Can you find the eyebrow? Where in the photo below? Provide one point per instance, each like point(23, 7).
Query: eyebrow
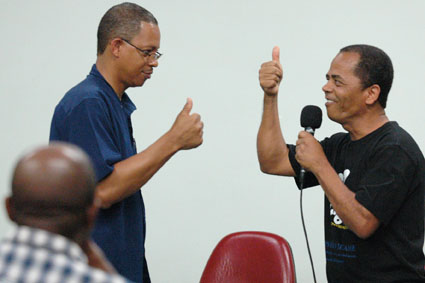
point(149, 48)
point(335, 77)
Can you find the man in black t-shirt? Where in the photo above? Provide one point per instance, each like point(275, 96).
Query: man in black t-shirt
point(373, 176)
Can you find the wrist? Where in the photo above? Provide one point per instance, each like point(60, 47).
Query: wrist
point(270, 94)
point(172, 141)
point(322, 169)
point(270, 98)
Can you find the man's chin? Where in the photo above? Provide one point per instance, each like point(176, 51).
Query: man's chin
point(138, 83)
point(332, 118)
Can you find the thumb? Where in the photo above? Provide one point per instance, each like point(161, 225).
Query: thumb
point(188, 106)
point(276, 54)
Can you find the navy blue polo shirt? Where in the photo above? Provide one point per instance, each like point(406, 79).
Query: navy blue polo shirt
point(91, 116)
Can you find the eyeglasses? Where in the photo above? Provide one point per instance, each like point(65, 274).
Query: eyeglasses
point(153, 55)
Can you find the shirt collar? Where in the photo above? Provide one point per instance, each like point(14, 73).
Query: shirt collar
point(125, 99)
point(42, 239)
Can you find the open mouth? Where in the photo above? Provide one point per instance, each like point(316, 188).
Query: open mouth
point(329, 102)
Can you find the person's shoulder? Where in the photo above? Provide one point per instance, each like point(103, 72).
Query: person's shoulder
point(89, 88)
point(87, 91)
point(394, 136)
point(404, 137)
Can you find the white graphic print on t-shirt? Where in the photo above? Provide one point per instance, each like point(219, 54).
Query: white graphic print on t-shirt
point(336, 221)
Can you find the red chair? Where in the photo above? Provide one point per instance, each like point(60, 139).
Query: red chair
point(248, 257)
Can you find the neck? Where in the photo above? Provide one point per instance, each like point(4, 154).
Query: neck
point(66, 226)
point(108, 72)
point(365, 125)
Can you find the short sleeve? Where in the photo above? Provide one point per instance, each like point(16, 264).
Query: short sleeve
point(89, 126)
point(385, 186)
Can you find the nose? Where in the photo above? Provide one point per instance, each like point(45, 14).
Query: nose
point(327, 88)
point(153, 63)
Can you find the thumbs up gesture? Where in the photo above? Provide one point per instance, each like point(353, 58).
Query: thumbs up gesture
point(187, 128)
point(270, 74)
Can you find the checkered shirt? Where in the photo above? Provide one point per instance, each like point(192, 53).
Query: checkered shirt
point(30, 255)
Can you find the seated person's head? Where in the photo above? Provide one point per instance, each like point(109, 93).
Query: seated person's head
point(53, 189)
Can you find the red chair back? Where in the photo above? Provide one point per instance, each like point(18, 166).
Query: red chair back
point(248, 257)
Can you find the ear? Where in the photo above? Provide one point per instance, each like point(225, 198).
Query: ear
point(115, 46)
point(372, 94)
point(10, 209)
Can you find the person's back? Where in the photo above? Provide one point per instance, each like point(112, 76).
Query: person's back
point(52, 202)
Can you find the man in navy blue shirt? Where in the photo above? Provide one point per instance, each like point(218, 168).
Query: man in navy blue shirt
point(95, 115)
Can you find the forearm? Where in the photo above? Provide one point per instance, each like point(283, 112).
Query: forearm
point(271, 147)
point(132, 173)
point(355, 216)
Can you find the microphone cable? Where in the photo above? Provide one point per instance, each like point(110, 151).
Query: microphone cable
point(302, 220)
point(311, 119)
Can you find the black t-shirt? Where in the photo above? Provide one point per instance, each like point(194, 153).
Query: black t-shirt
point(386, 170)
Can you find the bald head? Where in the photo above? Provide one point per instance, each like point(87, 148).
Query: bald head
point(52, 186)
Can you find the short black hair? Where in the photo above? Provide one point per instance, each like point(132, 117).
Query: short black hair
point(122, 20)
point(374, 67)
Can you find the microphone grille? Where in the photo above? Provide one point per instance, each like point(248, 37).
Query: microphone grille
point(311, 116)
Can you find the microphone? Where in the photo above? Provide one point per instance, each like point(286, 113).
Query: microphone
point(311, 119)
